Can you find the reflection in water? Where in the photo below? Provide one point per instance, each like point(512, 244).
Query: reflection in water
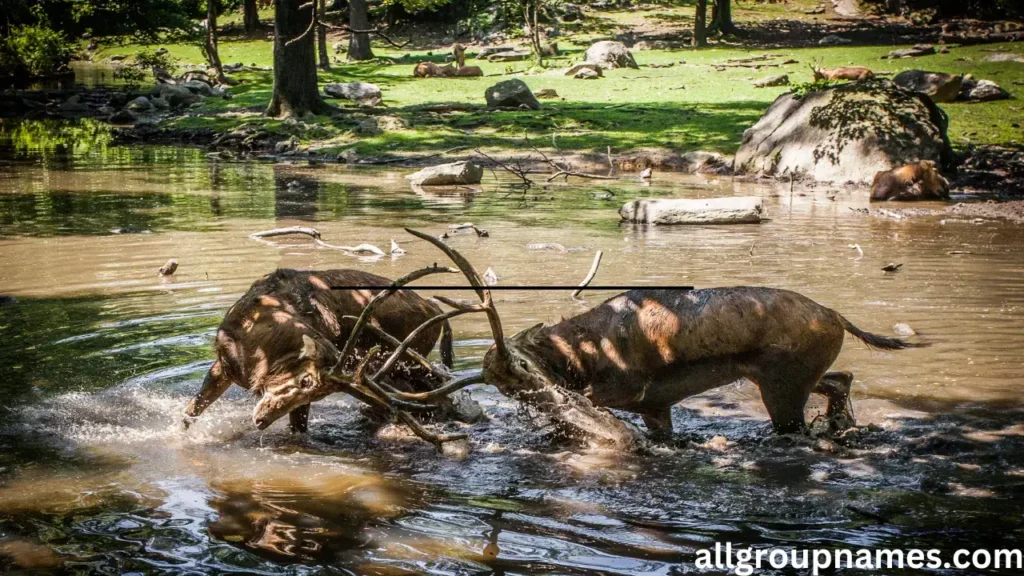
point(99, 356)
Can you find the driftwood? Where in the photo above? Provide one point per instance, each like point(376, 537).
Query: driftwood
point(590, 275)
point(315, 235)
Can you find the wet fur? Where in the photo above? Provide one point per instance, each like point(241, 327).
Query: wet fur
point(917, 181)
point(645, 350)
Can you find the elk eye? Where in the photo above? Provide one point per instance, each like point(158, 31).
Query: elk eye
point(523, 365)
point(307, 381)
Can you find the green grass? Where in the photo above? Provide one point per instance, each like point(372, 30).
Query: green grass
point(688, 106)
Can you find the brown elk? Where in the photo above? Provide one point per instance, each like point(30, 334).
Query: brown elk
point(645, 350)
point(916, 181)
point(279, 336)
point(852, 73)
point(460, 70)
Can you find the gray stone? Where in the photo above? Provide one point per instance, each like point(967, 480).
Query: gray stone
point(199, 87)
point(587, 74)
point(732, 210)
point(363, 93)
point(941, 87)
point(123, 117)
point(140, 104)
point(448, 174)
point(1004, 57)
point(508, 57)
point(833, 40)
point(916, 50)
point(512, 93)
point(487, 51)
point(584, 66)
point(160, 103)
point(380, 124)
point(74, 104)
point(701, 162)
point(986, 90)
point(610, 54)
point(107, 110)
point(847, 133)
point(546, 93)
point(778, 80)
point(175, 95)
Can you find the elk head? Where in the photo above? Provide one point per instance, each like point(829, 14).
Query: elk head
point(459, 51)
point(299, 377)
point(516, 368)
point(815, 66)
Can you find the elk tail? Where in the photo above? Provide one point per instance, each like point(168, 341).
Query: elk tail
point(876, 341)
point(447, 345)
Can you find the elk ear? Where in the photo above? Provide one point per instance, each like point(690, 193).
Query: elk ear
point(309, 349)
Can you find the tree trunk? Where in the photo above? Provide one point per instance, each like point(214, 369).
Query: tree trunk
point(321, 40)
point(700, 19)
point(295, 82)
point(723, 18)
point(250, 16)
point(530, 10)
point(358, 19)
point(210, 45)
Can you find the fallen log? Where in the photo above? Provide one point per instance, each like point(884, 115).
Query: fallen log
point(737, 210)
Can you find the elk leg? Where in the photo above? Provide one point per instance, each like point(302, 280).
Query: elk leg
point(659, 423)
point(836, 387)
point(214, 384)
point(298, 420)
point(785, 397)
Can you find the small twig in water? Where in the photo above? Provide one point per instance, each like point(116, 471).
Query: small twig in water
point(590, 275)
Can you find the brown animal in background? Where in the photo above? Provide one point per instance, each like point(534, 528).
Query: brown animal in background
point(917, 181)
point(276, 339)
point(459, 51)
point(469, 72)
point(852, 73)
point(645, 350)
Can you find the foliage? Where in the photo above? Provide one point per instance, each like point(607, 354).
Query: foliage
point(34, 51)
point(131, 76)
point(803, 89)
point(939, 9)
point(149, 59)
point(138, 18)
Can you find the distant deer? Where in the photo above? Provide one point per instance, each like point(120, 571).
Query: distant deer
point(431, 70)
point(852, 73)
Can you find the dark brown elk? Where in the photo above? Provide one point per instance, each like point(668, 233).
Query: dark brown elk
point(852, 73)
point(916, 181)
point(279, 336)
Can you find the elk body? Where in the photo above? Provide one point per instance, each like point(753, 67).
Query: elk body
point(460, 70)
point(645, 350)
point(279, 337)
point(916, 181)
point(852, 73)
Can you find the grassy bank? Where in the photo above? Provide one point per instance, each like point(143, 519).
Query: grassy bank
point(689, 105)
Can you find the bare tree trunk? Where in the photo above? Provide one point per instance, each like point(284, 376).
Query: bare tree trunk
point(321, 40)
point(530, 11)
point(210, 45)
point(700, 20)
point(358, 19)
point(295, 81)
point(250, 16)
point(722, 17)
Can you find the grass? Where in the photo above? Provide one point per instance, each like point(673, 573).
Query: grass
point(687, 106)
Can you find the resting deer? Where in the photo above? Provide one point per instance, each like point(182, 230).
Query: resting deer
point(432, 70)
point(645, 350)
point(852, 73)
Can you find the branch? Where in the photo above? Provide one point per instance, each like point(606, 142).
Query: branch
point(373, 31)
point(315, 235)
point(518, 173)
point(590, 275)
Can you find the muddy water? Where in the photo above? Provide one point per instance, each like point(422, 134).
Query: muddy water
point(99, 356)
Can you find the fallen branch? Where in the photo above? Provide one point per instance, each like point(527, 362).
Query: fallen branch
point(315, 235)
point(564, 171)
point(590, 275)
point(518, 172)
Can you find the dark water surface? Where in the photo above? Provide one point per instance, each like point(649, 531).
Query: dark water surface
point(99, 355)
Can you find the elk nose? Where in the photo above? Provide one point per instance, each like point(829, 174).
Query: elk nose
point(260, 423)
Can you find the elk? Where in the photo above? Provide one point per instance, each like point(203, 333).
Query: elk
point(432, 70)
point(643, 351)
point(915, 181)
point(852, 73)
point(275, 336)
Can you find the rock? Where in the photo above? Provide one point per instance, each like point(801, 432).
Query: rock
point(941, 87)
point(641, 45)
point(74, 104)
point(904, 330)
point(380, 124)
point(986, 90)
point(833, 40)
point(512, 93)
point(609, 54)
point(778, 80)
point(162, 51)
point(285, 146)
point(160, 103)
point(118, 57)
point(734, 210)
point(508, 56)
point(701, 162)
point(107, 110)
point(140, 104)
point(485, 52)
point(1003, 57)
point(176, 96)
point(123, 117)
point(917, 50)
point(587, 74)
point(571, 13)
point(339, 47)
point(846, 133)
point(363, 93)
point(199, 87)
point(546, 94)
point(448, 174)
point(584, 66)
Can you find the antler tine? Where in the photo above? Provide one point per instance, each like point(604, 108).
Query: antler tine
point(377, 331)
point(368, 310)
point(479, 286)
point(404, 345)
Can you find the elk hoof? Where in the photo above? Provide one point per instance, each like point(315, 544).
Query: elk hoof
point(186, 422)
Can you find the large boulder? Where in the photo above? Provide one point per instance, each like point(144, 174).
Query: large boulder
point(941, 87)
point(734, 210)
point(140, 104)
point(515, 56)
point(913, 52)
point(176, 96)
point(982, 91)
point(362, 93)
point(576, 68)
point(610, 54)
point(448, 174)
point(513, 93)
point(199, 87)
point(846, 133)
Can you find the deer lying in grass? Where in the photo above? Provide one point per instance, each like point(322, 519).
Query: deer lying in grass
point(852, 73)
point(432, 70)
point(645, 350)
point(278, 336)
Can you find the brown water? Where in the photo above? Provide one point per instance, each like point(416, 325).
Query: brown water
point(99, 357)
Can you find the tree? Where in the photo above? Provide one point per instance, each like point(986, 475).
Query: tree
point(210, 42)
point(250, 16)
point(722, 17)
point(359, 41)
point(700, 18)
point(531, 16)
point(295, 81)
point(321, 40)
